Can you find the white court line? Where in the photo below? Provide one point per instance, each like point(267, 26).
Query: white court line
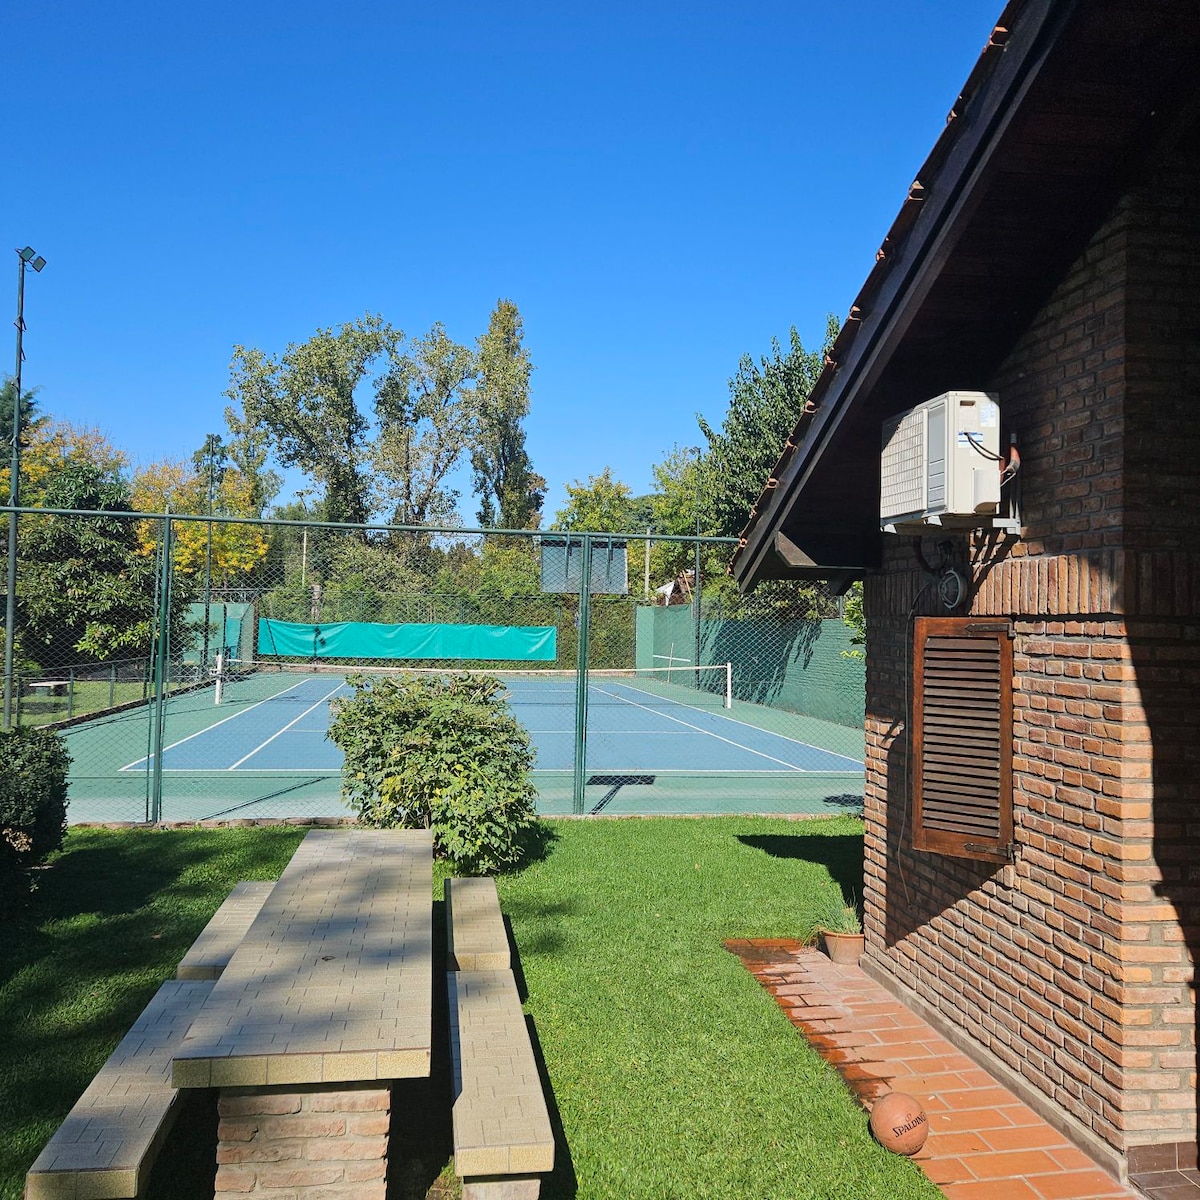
point(324, 699)
point(330, 771)
point(857, 763)
point(727, 741)
point(240, 713)
point(783, 737)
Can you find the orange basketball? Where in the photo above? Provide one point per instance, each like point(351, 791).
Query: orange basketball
point(899, 1123)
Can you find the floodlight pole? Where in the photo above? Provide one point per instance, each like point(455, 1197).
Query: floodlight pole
point(210, 448)
point(14, 486)
point(696, 570)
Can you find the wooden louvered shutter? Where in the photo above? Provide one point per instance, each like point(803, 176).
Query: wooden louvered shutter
point(962, 737)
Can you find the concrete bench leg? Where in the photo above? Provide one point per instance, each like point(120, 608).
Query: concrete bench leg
point(503, 1187)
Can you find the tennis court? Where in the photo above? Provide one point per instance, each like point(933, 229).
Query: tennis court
point(653, 744)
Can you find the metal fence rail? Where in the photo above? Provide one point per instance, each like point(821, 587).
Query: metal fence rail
point(642, 692)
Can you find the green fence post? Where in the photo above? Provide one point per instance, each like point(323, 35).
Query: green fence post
point(112, 685)
point(70, 692)
point(581, 671)
point(160, 671)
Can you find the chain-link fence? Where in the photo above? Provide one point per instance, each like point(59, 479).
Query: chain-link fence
point(191, 663)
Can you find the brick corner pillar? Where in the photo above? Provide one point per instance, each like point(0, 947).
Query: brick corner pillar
point(329, 1140)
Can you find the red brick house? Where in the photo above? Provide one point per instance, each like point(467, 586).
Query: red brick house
point(1032, 858)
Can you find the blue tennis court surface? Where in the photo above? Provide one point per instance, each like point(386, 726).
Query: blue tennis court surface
point(652, 746)
point(631, 728)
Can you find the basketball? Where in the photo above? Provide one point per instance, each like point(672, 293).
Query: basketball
point(899, 1123)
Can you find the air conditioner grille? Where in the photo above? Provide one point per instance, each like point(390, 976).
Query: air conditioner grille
point(903, 465)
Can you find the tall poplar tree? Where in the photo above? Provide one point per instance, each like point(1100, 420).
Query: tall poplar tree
point(510, 493)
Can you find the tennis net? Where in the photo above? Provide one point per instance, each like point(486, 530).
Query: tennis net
point(692, 686)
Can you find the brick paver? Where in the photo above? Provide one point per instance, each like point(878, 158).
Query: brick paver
point(984, 1143)
point(333, 981)
point(104, 1147)
point(211, 951)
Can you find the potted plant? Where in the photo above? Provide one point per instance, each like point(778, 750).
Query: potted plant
point(840, 927)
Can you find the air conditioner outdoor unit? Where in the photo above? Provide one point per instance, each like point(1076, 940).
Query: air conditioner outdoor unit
point(941, 459)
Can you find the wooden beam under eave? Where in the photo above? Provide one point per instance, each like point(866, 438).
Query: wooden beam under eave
point(799, 560)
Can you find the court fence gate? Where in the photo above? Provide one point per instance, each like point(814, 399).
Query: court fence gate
point(190, 662)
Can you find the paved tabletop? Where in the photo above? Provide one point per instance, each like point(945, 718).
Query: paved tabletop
point(333, 981)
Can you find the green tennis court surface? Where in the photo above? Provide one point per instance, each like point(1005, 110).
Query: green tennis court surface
point(653, 745)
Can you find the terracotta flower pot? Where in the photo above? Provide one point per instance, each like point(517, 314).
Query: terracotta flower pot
point(844, 948)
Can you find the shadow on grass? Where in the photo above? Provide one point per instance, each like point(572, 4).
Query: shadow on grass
point(562, 1183)
point(537, 844)
point(109, 922)
point(841, 855)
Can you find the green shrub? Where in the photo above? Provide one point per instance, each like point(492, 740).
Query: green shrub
point(439, 752)
point(33, 803)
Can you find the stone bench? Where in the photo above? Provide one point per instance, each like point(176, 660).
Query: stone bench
point(477, 939)
point(503, 1141)
point(212, 950)
point(52, 687)
point(107, 1145)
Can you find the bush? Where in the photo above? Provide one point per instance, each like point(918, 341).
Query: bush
point(33, 803)
point(439, 752)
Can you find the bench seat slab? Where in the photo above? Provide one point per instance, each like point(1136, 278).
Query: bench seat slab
point(501, 1123)
point(106, 1146)
point(212, 950)
point(475, 929)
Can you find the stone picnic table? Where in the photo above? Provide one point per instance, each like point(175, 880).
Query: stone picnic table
point(326, 999)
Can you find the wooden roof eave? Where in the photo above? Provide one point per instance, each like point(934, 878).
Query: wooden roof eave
point(936, 210)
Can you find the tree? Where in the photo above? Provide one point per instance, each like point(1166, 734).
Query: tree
point(676, 506)
point(426, 412)
point(510, 494)
point(87, 586)
point(248, 449)
point(305, 400)
point(765, 401)
point(602, 505)
point(51, 447)
point(236, 549)
point(27, 418)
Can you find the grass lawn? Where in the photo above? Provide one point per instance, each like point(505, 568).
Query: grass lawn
point(673, 1073)
point(87, 696)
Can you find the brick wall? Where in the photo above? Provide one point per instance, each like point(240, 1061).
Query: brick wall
point(1073, 965)
point(326, 1142)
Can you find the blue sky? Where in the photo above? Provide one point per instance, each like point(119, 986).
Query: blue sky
point(660, 187)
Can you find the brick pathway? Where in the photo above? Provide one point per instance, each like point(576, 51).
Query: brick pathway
point(984, 1144)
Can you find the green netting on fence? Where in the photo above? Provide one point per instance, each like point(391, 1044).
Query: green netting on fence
point(230, 629)
point(804, 665)
point(371, 641)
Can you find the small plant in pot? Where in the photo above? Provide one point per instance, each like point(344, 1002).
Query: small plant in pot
point(840, 927)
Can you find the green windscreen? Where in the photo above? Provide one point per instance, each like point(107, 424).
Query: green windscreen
point(366, 639)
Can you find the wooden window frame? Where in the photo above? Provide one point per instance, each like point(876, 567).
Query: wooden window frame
point(929, 832)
